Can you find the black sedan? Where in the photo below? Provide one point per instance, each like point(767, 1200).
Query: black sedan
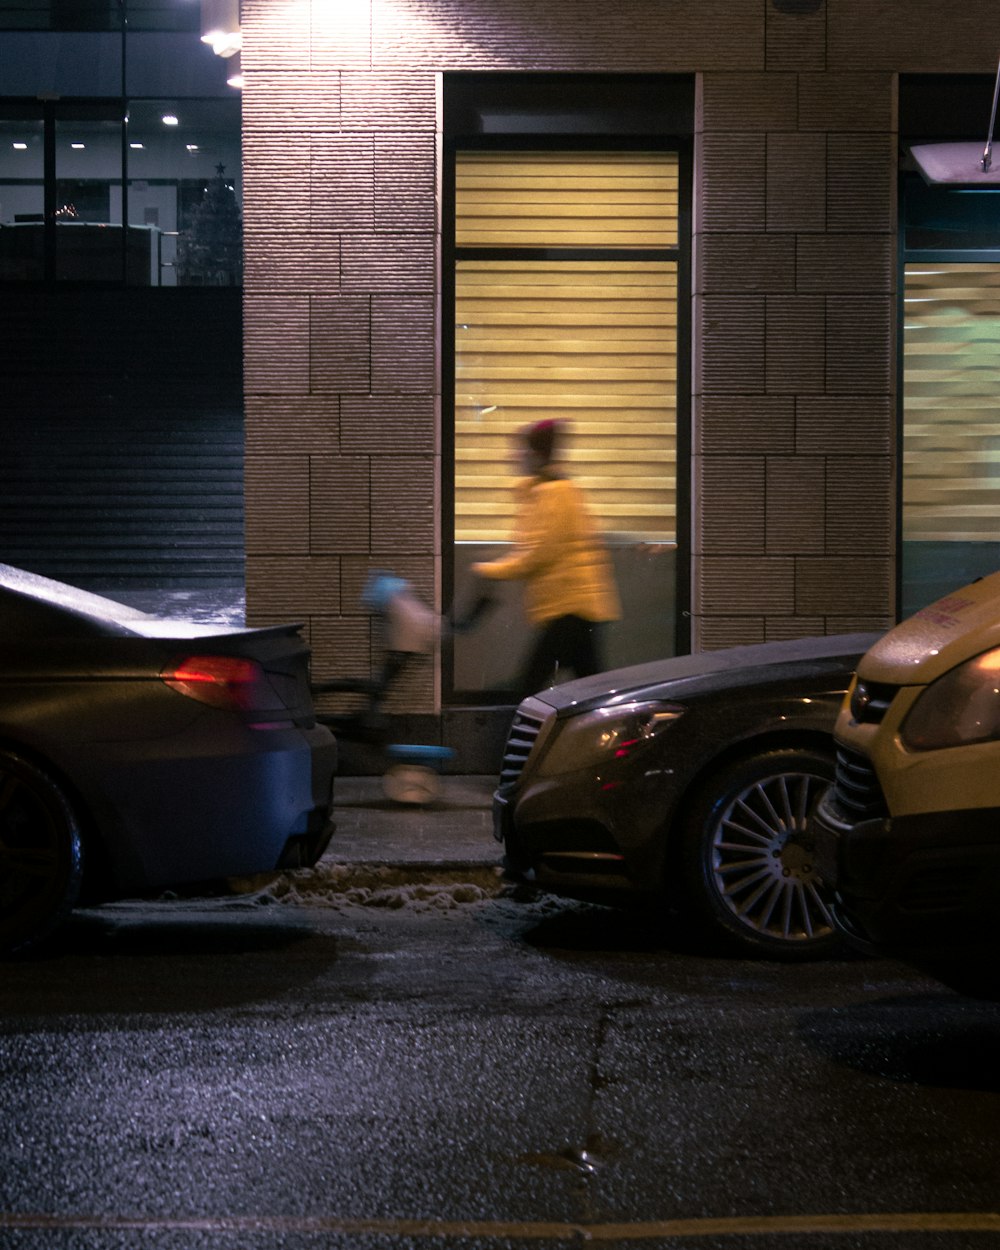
point(687, 780)
point(138, 754)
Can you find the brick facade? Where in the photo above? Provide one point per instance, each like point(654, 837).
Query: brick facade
point(794, 287)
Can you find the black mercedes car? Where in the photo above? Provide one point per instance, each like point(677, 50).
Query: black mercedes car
point(139, 753)
point(686, 780)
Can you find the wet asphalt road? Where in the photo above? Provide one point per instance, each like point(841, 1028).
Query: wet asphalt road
point(481, 1074)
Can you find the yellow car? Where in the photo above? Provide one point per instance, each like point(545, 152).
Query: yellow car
point(908, 836)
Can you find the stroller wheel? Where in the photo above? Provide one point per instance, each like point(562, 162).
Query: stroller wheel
point(411, 783)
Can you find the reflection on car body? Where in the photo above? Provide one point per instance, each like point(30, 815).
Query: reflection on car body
point(138, 753)
point(688, 779)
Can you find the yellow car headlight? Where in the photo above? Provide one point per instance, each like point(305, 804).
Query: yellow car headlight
point(961, 707)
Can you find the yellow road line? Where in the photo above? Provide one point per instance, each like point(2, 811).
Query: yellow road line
point(486, 1230)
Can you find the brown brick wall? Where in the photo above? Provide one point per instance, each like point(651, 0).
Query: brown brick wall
point(792, 312)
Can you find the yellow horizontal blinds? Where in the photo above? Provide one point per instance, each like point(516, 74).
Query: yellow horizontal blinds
point(566, 199)
point(951, 436)
point(593, 343)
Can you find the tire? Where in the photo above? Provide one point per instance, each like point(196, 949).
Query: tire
point(41, 855)
point(746, 867)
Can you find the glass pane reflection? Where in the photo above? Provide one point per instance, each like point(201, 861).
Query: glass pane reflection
point(88, 200)
point(22, 200)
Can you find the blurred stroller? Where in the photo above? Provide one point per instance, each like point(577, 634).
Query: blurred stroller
point(409, 629)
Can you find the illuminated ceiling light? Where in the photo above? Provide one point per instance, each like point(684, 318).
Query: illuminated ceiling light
point(192, 147)
point(77, 147)
point(220, 26)
point(20, 147)
point(960, 164)
point(234, 75)
point(137, 147)
point(169, 119)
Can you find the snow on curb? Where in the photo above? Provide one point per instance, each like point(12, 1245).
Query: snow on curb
point(391, 887)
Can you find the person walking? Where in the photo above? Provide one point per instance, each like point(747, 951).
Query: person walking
point(570, 591)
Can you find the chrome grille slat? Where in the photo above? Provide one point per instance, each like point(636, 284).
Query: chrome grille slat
point(525, 728)
point(856, 788)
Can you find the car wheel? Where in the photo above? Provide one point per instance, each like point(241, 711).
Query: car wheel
point(747, 863)
point(41, 855)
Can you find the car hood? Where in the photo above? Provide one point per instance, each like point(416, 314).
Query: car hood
point(684, 676)
point(937, 638)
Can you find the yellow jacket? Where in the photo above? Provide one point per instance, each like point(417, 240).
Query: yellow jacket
point(559, 555)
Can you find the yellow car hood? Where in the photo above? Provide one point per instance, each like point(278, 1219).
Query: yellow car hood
point(935, 639)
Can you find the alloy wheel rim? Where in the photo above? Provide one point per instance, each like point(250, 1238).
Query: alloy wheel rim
point(762, 864)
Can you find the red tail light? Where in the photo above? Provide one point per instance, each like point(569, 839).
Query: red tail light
point(222, 681)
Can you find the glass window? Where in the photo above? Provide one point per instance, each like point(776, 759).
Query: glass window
point(182, 189)
point(22, 199)
point(147, 192)
point(88, 200)
point(951, 426)
point(950, 434)
point(566, 301)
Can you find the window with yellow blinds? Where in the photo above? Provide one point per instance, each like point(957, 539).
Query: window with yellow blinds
point(951, 399)
point(592, 343)
point(566, 296)
point(566, 199)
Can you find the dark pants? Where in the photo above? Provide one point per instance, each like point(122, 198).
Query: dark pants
point(569, 642)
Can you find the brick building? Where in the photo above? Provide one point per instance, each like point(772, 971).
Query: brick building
point(776, 403)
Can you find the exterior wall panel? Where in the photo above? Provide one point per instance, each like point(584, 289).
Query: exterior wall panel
point(796, 183)
point(731, 182)
point(279, 524)
point(405, 101)
point(861, 183)
point(339, 504)
point(405, 182)
point(276, 348)
point(915, 36)
point(745, 264)
point(795, 344)
point(749, 103)
point(740, 480)
point(341, 183)
point(577, 36)
point(842, 102)
point(795, 40)
point(796, 504)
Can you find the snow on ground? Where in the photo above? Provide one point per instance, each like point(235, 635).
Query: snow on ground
point(343, 886)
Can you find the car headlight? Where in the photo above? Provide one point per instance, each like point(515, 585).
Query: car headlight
point(606, 733)
point(961, 707)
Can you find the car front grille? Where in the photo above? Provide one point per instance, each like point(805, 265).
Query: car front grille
point(856, 789)
point(525, 728)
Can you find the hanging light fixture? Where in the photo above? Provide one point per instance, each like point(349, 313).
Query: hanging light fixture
point(960, 164)
point(220, 26)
